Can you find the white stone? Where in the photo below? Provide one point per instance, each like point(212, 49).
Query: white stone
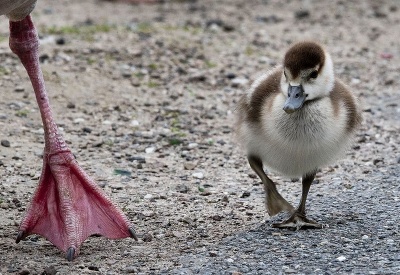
point(198, 175)
point(341, 258)
point(78, 120)
point(239, 81)
point(150, 150)
point(192, 145)
point(148, 196)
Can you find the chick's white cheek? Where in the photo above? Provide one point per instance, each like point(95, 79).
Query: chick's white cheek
point(311, 90)
point(284, 87)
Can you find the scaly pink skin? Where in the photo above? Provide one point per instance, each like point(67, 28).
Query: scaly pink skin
point(67, 206)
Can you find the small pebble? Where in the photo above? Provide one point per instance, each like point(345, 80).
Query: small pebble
point(5, 143)
point(78, 120)
point(51, 270)
point(139, 159)
point(92, 267)
point(148, 213)
point(192, 145)
point(60, 41)
point(147, 237)
point(189, 165)
point(43, 57)
point(213, 253)
point(181, 188)
point(301, 14)
point(148, 196)
point(177, 234)
point(238, 82)
point(147, 134)
point(150, 150)
point(198, 175)
point(130, 269)
point(19, 89)
point(341, 258)
point(217, 218)
point(390, 241)
point(186, 220)
point(199, 76)
point(71, 105)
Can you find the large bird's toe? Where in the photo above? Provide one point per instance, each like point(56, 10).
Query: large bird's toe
point(70, 254)
point(21, 235)
point(133, 234)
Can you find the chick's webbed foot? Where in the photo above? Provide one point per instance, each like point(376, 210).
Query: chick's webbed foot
point(298, 221)
point(275, 203)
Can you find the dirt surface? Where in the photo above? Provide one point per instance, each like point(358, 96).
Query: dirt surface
point(145, 95)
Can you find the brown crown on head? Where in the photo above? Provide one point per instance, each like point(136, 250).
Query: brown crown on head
point(304, 55)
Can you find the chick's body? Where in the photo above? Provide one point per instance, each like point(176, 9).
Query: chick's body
point(294, 120)
point(298, 143)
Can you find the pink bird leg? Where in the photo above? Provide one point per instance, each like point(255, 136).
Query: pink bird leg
point(67, 206)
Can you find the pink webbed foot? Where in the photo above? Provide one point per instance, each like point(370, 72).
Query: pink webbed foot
point(67, 206)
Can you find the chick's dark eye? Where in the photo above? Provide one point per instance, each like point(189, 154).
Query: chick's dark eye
point(314, 74)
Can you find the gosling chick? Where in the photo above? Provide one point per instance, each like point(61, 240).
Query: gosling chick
point(296, 119)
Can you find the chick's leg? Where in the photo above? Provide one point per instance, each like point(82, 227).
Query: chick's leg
point(275, 203)
point(298, 219)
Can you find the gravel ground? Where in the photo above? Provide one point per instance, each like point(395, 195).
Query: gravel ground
point(145, 95)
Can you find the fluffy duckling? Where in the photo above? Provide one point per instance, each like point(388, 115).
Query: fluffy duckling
point(294, 120)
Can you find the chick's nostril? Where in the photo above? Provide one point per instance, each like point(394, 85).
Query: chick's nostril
point(297, 95)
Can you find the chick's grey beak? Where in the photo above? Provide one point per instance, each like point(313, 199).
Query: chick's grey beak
point(295, 100)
